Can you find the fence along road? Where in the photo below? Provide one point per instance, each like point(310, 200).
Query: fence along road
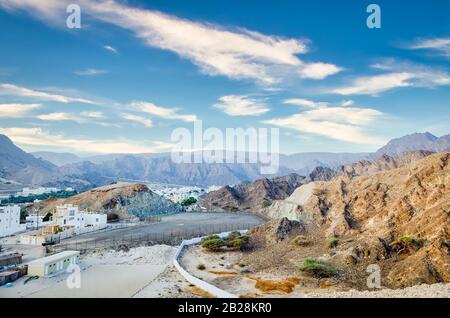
point(171, 230)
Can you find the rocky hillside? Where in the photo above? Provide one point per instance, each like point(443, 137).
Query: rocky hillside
point(251, 196)
point(19, 166)
point(368, 167)
point(397, 219)
point(125, 199)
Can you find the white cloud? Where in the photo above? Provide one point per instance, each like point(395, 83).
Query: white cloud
point(216, 50)
point(91, 72)
point(319, 70)
point(110, 48)
point(304, 102)
point(83, 118)
point(372, 85)
point(238, 105)
point(60, 116)
point(398, 74)
point(339, 123)
point(33, 138)
point(347, 102)
point(90, 114)
point(139, 119)
point(440, 45)
point(17, 110)
point(167, 113)
point(7, 89)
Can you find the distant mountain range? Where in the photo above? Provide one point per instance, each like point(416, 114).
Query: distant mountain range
point(65, 169)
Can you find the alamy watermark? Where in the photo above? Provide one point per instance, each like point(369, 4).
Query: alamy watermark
point(237, 145)
point(374, 278)
point(374, 19)
point(74, 278)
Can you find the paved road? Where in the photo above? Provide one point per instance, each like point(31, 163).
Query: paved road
point(184, 224)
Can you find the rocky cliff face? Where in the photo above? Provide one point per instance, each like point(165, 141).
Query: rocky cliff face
point(251, 196)
point(127, 200)
point(398, 219)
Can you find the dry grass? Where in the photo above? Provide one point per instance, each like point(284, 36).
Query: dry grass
point(199, 292)
point(276, 286)
point(223, 273)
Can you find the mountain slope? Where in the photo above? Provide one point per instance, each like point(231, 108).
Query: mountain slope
point(57, 158)
point(418, 141)
point(398, 219)
point(17, 165)
point(251, 196)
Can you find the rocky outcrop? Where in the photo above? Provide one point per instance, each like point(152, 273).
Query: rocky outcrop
point(398, 219)
point(251, 196)
point(323, 174)
point(278, 230)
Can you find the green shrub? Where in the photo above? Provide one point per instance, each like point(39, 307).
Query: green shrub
point(410, 240)
point(318, 269)
point(233, 235)
point(238, 243)
point(266, 203)
point(214, 244)
point(333, 242)
point(189, 201)
point(405, 244)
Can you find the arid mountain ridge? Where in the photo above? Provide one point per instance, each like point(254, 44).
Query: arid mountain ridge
point(397, 219)
point(68, 170)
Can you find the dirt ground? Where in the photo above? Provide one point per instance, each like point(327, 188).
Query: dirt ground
point(234, 272)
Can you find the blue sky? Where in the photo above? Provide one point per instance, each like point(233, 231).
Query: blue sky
point(136, 70)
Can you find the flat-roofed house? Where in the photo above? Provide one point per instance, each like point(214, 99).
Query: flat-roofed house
point(10, 220)
point(53, 264)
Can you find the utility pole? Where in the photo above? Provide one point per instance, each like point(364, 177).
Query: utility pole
point(36, 211)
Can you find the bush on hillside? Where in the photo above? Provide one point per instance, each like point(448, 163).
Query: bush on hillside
point(317, 268)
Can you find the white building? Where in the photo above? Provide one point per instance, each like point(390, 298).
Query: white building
point(53, 264)
point(10, 220)
point(69, 215)
point(37, 191)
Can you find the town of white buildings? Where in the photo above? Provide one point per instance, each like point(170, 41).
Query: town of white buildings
point(67, 220)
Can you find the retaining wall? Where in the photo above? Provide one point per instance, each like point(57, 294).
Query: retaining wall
point(213, 290)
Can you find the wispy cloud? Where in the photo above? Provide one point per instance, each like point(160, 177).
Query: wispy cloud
point(163, 112)
point(239, 105)
point(304, 102)
point(335, 122)
point(138, 119)
point(319, 70)
point(60, 116)
point(91, 72)
point(82, 118)
point(90, 114)
point(398, 74)
point(438, 45)
point(111, 49)
point(7, 89)
point(216, 50)
point(17, 110)
point(33, 138)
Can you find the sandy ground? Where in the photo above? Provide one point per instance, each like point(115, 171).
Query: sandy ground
point(226, 271)
point(139, 272)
